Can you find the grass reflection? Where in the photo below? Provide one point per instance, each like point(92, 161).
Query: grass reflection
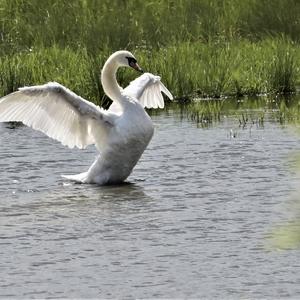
point(283, 110)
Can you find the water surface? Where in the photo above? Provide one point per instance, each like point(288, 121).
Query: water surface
point(193, 219)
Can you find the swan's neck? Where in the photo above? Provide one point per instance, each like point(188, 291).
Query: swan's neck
point(109, 81)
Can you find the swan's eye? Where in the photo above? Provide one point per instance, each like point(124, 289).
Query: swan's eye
point(131, 60)
point(133, 64)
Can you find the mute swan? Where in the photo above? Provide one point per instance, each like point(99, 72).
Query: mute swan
point(121, 133)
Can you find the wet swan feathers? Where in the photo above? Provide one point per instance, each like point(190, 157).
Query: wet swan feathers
point(121, 133)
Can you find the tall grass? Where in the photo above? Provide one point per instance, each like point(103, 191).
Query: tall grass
point(190, 70)
point(73, 69)
point(284, 68)
point(202, 48)
point(155, 23)
point(229, 68)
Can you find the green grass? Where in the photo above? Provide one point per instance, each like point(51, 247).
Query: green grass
point(190, 70)
point(201, 48)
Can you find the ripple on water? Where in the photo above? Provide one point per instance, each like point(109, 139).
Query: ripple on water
point(190, 222)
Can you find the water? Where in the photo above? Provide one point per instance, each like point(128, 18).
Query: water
point(193, 220)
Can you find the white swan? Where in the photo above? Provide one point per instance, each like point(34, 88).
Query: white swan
point(120, 133)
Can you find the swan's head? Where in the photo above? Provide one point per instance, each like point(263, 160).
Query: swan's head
point(126, 59)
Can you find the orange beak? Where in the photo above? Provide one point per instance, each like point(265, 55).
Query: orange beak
point(136, 67)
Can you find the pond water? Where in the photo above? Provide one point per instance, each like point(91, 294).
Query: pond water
point(193, 220)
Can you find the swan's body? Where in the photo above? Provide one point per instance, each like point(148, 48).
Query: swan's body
point(121, 133)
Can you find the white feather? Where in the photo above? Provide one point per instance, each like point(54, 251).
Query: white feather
point(56, 111)
point(147, 90)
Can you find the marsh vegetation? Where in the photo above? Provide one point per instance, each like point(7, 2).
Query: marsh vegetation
point(200, 48)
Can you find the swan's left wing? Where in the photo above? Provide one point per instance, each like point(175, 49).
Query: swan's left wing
point(147, 89)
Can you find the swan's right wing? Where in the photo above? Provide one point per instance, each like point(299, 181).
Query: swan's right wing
point(147, 89)
point(57, 112)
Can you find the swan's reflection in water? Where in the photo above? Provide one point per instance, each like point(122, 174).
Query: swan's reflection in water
point(71, 200)
point(129, 191)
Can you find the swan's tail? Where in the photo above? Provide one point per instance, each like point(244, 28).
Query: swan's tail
point(80, 178)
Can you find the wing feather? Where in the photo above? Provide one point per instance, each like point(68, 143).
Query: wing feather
point(147, 90)
point(57, 112)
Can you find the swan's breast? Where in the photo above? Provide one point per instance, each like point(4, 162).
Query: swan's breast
point(127, 142)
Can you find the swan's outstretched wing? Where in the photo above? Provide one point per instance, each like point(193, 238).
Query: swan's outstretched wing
point(56, 111)
point(147, 89)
